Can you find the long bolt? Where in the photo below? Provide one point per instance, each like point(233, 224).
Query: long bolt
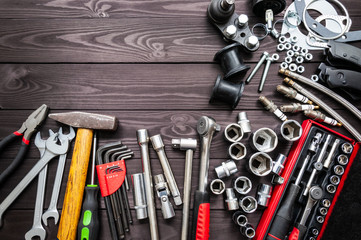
point(265, 73)
point(265, 55)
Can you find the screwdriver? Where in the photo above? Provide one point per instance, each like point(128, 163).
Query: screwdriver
point(283, 218)
point(88, 227)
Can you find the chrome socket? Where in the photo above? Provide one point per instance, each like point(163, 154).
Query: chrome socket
point(315, 231)
point(264, 140)
point(264, 194)
point(326, 203)
point(140, 203)
point(231, 200)
point(217, 186)
point(242, 185)
point(323, 211)
point(244, 123)
point(338, 170)
point(226, 169)
point(240, 219)
point(330, 188)
point(248, 204)
point(248, 231)
point(347, 148)
point(233, 132)
point(163, 193)
point(260, 164)
point(237, 151)
point(278, 164)
point(291, 130)
point(334, 179)
point(320, 219)
point(342, 159)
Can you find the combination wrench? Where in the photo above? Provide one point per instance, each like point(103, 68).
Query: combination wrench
point(53, 150)
point(52, 211)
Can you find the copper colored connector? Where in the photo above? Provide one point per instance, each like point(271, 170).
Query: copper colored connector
point(270, 106)
point(293, 94)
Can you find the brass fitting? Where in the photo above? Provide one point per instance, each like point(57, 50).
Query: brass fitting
point(291, 93)
point(297, 107)
point(270, 106)
point(320, 117)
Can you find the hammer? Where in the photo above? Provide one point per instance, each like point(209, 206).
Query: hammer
point(85, 122)
point(189, 145)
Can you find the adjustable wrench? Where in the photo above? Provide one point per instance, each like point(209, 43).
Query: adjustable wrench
point(53, 150)
point(52, 211)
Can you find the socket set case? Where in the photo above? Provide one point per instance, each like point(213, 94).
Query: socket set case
point(320, 212)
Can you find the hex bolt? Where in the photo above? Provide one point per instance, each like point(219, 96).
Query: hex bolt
point(242, 20)
point(292, 94)
point(270, 106)
point(226, 169)
point(244, 123)
point(251, 42)
point(269, 60)
point(230, 32)
point(330, 188)
point(346, 148)
point(342, 159)
point(338, 170)
point(231, 200)
point(264, 194)
point(248, 204)
point(239, 218)
point(265, 55)
point(275, 57)
point(326, 203)
point(217, 186)
point(320, 117)
point(297, 107)
point(237, 151)
point(334, 179)
point(242, 185)
point(260, 164)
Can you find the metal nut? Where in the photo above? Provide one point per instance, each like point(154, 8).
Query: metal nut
point(288, 46)
point(288, 60)
point(242, 185)
point(314, 78)
point(304, 51)
point(260, 164)
point(292, 67)
point(217, 186)
point(290, 53)
point(284, 65)
point(280, 47)
point(296, 48)
point(237, 151)
point(299, 60)
point(275, 57)
point(308, 56)
point(282, 39)
point(300, 69)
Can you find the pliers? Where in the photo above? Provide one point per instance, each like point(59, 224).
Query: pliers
point(26, 130)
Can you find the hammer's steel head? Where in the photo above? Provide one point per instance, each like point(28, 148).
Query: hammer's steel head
point(184, 143)
point(86, 120)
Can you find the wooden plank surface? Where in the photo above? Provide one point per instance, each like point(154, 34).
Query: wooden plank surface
point(150, 64)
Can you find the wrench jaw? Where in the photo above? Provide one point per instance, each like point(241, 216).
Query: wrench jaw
point(36, 231)
point(50, 213)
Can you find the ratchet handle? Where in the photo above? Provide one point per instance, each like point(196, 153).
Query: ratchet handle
point(201, 215)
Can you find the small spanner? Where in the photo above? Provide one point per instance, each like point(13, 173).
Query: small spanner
point(52, 211)
point(53, 150)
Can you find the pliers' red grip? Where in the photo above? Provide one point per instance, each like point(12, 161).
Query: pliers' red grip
point(201, 215)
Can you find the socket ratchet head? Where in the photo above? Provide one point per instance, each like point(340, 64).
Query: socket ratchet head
point(291, 130)
point(226, 169)
point(231, 200)
point(264, 140)
point(233, 132)
point(346, 148)
point(217, 186)
point(248, 204)
point(260, 164)
point(242, 185)
point(237, 151)
point(240, 219)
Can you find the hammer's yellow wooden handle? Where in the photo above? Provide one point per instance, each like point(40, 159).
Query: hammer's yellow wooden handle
point(75, 187)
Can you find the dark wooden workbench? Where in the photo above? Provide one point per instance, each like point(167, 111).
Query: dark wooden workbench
point(149, 63)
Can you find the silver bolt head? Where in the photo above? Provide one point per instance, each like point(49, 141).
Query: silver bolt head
point(242, 20)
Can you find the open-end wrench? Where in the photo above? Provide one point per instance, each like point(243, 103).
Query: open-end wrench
point(53, 150)
point(52, 211)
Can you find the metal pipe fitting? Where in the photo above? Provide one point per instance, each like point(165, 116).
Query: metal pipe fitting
point(327, 162)
point(346, 148)
point(217, 186)
point(260, 164)
point(279, 164)
point(334, 179)
point(326, 203)
point(264, 194)
point(297, 107)
point(248, 204)
point(338, 170)
point(264, 140)
point(292, 94)
point(158, 146)
point(248, 231)
point(140, 203)
point(233, 132)
point(226, 169)
point(323, 211)
point(143, 140)
point(242, 185)
point(237, 151)
point(231, 200)
point(342, 159)
point(330, 188)
point(270, 106)
point(240, 219)
point(162, 190)
point(320, 219)
point(291, 130)
point(244, 123)
point(320, 117)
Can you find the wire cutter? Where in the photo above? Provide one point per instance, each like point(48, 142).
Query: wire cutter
point(26, 130)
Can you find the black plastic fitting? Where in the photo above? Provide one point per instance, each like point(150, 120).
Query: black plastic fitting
point(260, 6)
point(227, 92)
point(219, 12)
point(231, 61)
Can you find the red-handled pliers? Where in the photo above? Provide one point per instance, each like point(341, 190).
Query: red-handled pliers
point(26, 130)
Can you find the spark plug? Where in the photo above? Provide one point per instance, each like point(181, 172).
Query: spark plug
point(270, 106)
point(320, 117)
point(297, 107)
point(293, 94)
